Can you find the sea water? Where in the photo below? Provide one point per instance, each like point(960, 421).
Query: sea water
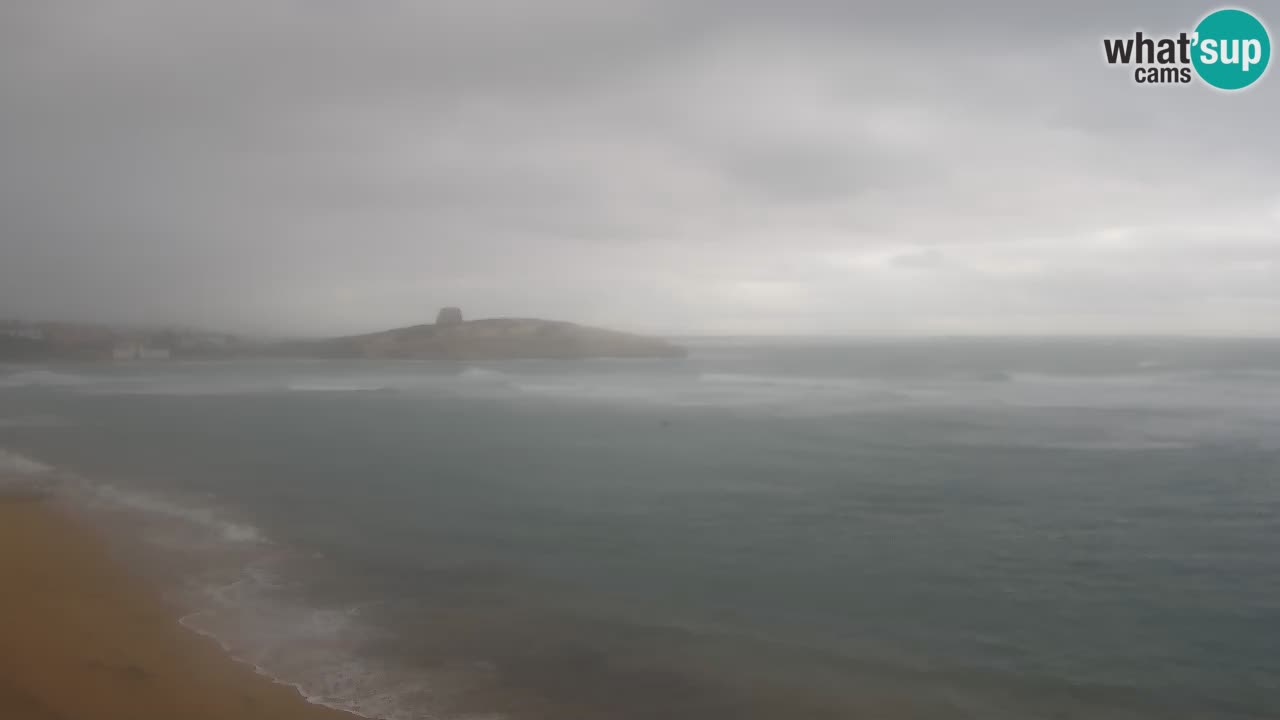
point(765, 529)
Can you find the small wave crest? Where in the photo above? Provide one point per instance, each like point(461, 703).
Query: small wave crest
point(202, 518)
point(33, 421)
point(41, 378)
point(743, 379)
point(780, 381)
point(335, 387)
point(243, 592)
point(319, 651)
point(484, 376)
point(11, 463)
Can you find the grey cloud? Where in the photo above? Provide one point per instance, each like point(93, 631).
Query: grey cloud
point(672, 167)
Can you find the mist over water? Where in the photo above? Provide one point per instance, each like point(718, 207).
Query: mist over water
point(914, 529)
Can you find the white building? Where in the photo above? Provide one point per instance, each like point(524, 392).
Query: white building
point(138, 350)
point(22, 331)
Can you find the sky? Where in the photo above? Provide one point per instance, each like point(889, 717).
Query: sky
point(664, 166)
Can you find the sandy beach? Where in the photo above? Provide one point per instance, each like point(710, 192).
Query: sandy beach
point(81, 639)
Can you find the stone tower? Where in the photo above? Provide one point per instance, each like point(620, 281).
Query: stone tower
point(449, 316)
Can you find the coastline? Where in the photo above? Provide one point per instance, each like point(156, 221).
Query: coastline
point(83, 639)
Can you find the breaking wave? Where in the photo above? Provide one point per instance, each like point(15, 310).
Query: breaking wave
point(321, 386)
point(206, 519)
point(779, 381)
point(238, 591)
point(315, 650)
point(33, 421)
point(11, 463)
point(484, 376)
point(42, 378)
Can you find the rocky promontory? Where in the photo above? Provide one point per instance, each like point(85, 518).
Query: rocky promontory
point(450, 337)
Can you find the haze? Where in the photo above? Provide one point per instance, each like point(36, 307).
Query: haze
point(666, 167)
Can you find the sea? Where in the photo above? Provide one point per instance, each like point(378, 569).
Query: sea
point(819, 528)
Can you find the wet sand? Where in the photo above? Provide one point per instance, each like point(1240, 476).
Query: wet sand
point(82, 639)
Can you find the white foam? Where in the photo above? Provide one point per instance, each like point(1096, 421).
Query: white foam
point(11, 463)
point(744, 379)
point(313, 650)
point(484, 376)
point(241, 599)
point(322, 386)
point(234, 532)
point(791, 382)
point(181, 387)
point(597, 391)
point(41, 378)
point(201, 517)
point(33, 421)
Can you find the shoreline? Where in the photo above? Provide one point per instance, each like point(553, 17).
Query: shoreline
point(81, 638)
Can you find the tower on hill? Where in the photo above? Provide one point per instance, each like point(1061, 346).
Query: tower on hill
point(449, 316)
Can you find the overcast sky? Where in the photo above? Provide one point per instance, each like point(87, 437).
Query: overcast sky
point(665, 166)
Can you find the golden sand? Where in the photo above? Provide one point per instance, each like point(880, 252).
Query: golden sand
point(82, 639)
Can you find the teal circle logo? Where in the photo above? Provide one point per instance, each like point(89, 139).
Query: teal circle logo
point(1232, 49)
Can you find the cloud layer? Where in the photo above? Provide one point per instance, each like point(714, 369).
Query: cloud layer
point(676, 167)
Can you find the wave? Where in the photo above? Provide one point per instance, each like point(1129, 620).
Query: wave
point(233, 386)
point(315, 651)
point(833, 382)
point(42, 378)
point(258, 617)
point(788, 382)
point(11, 463)
point(805, 388)
point(239, 590)
point(484, 376)
point(768, 380)
point(249, 595)
point(33, 421)
point(321, 386)
point(203, 518)
point(469, 379)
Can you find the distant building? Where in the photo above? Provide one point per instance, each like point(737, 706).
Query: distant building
point(150, 353)
point(18, 330)
point(138, 350)
point(449, 316)
point(205, 341)
point(126, 350)
point(78, 335)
